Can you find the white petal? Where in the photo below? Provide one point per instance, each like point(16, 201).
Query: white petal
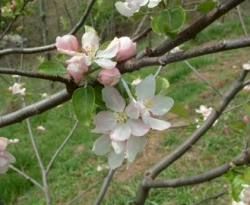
point(155, 123)
point(138, 127)
point(121, 132)
point(119, 147)
point(153, 3)
point(104, 121)
point(105, 63)
point(124, 10)
point(133, 110)
point(145, 90)
point(110, 51)
point(162, 105)
point(102, 145)
point(4, 168)
point(115, 160)
point(113, 99)
point(135, 145)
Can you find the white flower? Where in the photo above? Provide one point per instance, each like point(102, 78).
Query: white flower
point(245, 194)
point(123, 121)
point(129, 7)
point(90, 46)
point(246, 66)
point(41, 128)
point(151, 105)
point(17, 89)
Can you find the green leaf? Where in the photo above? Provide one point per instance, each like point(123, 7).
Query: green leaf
point(83, 101)
point(238, 126)
point(169, 21)
point(51, 68)
point(162, 85)
point(206, 6)
point(137, 16)
point(62, 58)
point(179, 110)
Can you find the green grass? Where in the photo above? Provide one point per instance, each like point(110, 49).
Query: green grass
point(75, 168)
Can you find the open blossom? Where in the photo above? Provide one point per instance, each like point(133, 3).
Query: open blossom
point(151, 105)
point(245, 194)
point(122, 121)
point(129, 7)
point(119, 150)
point(5, 157)
point(109, 76)
point(17, 89)
point(205, 112)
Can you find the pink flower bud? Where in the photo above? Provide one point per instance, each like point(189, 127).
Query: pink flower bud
point(109, 76)
point(41, 128)
point(245, 119)
point(67, 44)
point(3, 143)
point(77, 67)
point(126, 49)
point(10, 89)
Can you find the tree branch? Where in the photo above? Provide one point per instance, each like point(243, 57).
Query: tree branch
point(241, 159)
point(224, 45)
point(185, 146)
point(54, 78)
point(194, 29)
point(51, 46)
point(104, 187)
point(36, 108)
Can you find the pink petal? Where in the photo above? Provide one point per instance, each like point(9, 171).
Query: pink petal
point(133, 110)
point(3, 143)
point(124, 9)
point(135, 145)
point(155, 123)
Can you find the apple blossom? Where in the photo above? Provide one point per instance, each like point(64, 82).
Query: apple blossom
point(151, 105)
point(90, 47)
point(5, 157)
point(109, 76)
point(123, 121)
point(129, 7)
point(17, 89)
point(67, 44)
point(246, 88)
point(245, 119)
point(119, 150)
point(77, 67)
point(245, 194)
point(126, 48)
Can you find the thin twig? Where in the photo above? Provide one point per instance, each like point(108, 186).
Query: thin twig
point(210, 198)
point(83, 193)
point(202, 78)
point(61, 147)
point(242, 21)
point(26, 176)
point(104, 187)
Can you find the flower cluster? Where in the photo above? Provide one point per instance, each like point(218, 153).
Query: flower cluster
point(6, 157)
point(123, 126)
point(17, 88)
point(238, 203)
point(118, 49)
point(129, 7)
point(205, 112)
